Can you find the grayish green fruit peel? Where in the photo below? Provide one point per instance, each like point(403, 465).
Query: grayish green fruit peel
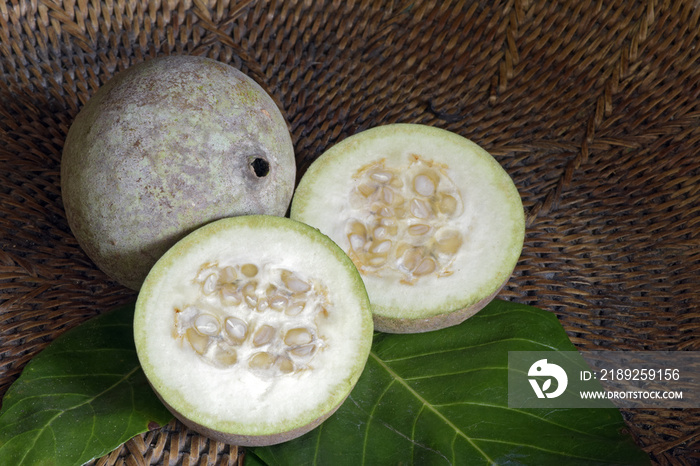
point(165, 147)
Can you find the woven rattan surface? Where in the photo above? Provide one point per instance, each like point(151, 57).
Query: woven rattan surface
point(591, 106)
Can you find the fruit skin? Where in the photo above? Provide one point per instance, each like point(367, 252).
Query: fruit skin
point(165, 147)
point(435, 322)
point(249, 230)
point(403, 313)
point(251, 440)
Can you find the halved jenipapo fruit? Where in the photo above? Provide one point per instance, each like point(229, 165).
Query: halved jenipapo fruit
point(254, 329)
point(432, 221)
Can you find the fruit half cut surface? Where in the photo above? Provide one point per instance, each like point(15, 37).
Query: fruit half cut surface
point(432, 221)
point(253, 330)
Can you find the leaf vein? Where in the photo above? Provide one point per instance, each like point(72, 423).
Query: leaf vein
point(466, 348)
point(63, 411)
point(567, 455)
point(425, 402)
point(371, 417)
point(525, 412)
point(452, 374)
point(84, 374)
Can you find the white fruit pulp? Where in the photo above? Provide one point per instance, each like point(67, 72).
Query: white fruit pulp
point(233, 397)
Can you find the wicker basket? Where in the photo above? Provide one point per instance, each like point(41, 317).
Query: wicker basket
point(593, 107)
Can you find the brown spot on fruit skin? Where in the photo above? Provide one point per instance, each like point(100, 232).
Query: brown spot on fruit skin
point(164, 148)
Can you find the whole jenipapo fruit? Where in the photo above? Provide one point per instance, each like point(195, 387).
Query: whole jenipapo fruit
point(164, 148)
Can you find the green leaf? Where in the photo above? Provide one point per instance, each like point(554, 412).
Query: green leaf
point(442, 398)
point(80, 398)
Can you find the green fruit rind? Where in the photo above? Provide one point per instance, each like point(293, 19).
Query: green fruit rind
point(493, 223)
point(167, 146)
point(232, 404)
